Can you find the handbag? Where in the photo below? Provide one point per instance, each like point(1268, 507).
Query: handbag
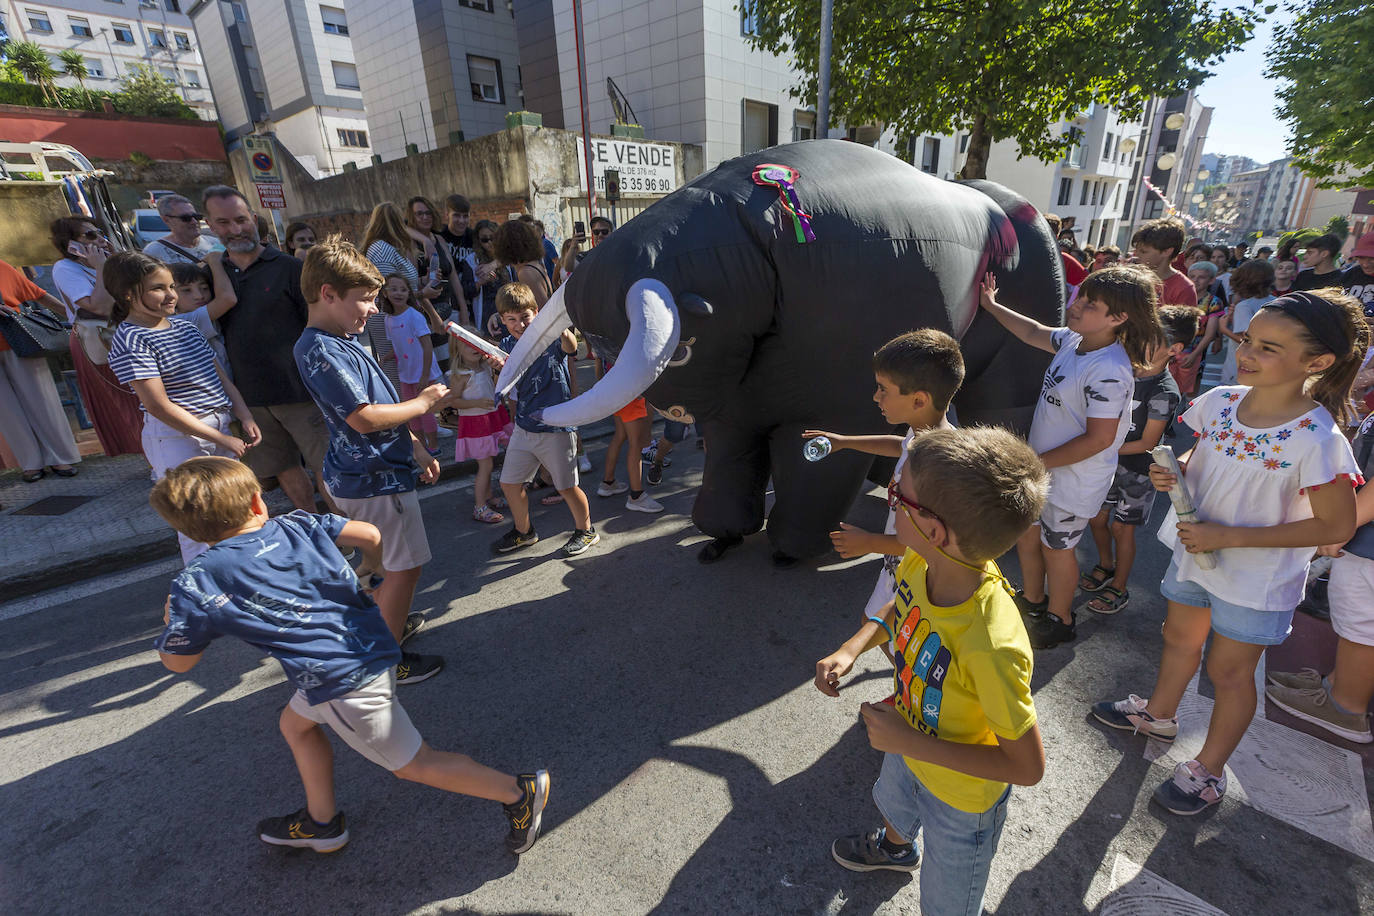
point(33, 332)
point(95, 336)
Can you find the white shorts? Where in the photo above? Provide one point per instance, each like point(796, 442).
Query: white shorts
point(1351, 594)
point(556, 451)
point(166, 447)
point(883, 590)
point(397, 516)
point(370, 720)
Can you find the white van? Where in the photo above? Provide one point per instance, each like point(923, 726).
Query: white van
point(40, 161)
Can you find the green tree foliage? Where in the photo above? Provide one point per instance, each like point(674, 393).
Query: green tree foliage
point(998, 68)
point(33, 64)
point(149, 94)
point(1324, 55)
point(74, 65)
point(1338, 226)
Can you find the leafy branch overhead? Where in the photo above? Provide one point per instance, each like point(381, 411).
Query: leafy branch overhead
point(1328, 101)
point(1001, 70)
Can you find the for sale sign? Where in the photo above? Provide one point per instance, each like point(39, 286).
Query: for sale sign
point(646, 169)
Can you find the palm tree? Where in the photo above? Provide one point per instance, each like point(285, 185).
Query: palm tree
point(75, 66)
point(32, 61)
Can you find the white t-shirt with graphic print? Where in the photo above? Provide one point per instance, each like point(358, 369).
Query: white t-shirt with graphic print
point(1077, 386)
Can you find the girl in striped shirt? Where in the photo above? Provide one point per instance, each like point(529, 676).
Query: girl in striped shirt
point(188, 400)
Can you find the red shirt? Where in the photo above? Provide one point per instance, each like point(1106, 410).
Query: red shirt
point(1074, 273)
point(1177, 290)
point(14, 289)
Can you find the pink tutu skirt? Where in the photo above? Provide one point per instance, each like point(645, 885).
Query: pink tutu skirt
point(482, 436)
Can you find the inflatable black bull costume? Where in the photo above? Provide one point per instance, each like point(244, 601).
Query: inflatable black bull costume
point(751, 300)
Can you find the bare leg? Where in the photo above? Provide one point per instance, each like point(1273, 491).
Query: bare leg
point(1124, 537)
point(1030, 553)
point(1185, 633)
point(314, 761)
point(295, 483)
point(481, 483)
point(1231, 666)
point(613, 451)
point(519, 505)
point(1062, 566)
point(394, 597)
point(1102, 537)
point(638, 433)
point(460, 773)
point(1352, 683)
point(579, 507)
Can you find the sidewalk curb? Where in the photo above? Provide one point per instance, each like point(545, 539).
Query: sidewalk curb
point(68, 569)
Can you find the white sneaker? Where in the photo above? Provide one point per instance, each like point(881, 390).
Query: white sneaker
point(584, 464)
point(611, 489)
point(643, 503)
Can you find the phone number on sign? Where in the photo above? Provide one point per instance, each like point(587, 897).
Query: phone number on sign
point(638, 183)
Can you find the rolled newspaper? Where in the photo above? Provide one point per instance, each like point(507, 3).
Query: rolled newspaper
point(1163, 456)
point(472, 340)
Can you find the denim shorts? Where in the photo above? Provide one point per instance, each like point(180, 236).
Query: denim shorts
point(674, 431)
point(956, 846)
point(1243, 624)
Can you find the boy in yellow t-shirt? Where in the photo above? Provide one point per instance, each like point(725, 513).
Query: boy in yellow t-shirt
point(964, 726)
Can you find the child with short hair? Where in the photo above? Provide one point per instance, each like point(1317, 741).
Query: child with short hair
point(408, 332)
point(1273, 477)
point(963, 728)
point(1080, 421)
point(204, 293)
point(374, 461)
point(532, 443)
point(187, 398)
point(1132, 497)
point(1155, 245)
point(916, 376)
point(256, 581)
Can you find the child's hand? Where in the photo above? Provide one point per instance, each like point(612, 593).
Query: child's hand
point(435, 394)
point(851, 542)
point(486, 404)
point(887, 730)
point(492, 362)
point(1331, 550)
point(1200, 537)
point(251, 433)
point(233, 444)
point(837, 441)
point(1191, 359)
point(1161, 478)
point(987, 291)
point(829, 670)
point(214, 257)
point(429, 465)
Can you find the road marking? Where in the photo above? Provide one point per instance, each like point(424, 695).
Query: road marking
point(1134, 890)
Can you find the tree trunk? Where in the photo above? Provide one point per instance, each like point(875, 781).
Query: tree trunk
point(979, 146)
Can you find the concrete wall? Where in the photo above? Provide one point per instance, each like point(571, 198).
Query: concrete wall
point(523, 170)
point(29, 208)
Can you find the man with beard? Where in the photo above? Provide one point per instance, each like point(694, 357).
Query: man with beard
point(259, 335)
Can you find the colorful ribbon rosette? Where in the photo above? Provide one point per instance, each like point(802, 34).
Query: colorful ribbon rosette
point(783, 178)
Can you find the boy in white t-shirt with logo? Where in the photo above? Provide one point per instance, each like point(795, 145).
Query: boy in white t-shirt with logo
point(1080, 422)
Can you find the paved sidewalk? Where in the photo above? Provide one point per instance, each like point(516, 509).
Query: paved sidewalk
point(62, 530)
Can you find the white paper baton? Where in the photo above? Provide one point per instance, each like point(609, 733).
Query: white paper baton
point(472, 340)
point(1163, 456)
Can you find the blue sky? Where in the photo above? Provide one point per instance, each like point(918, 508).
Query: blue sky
point(1243, 119)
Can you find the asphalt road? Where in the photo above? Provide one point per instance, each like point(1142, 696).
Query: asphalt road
point(695, 769)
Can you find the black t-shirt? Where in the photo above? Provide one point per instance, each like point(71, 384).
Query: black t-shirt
point(1154, 398)
point(1310, 279)
point(1360, 285)
point(261, 331)
point(459, 244)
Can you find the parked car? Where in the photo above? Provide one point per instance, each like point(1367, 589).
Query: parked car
point(147, 225)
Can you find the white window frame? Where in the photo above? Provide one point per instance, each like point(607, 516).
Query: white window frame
point(351, 137)
point(34, 17)
point(192, 78)
point(334, 66)
point(80, 22)
point(95, 68)
point(157, 38)
point(118, 27)
point(480, 89)
point(182, 41)
point(334, 19)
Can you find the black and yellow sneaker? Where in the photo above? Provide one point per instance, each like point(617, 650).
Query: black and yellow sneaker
point(525, 815)
point(415, 667)
point(515, 539)
point(298, 829)
point(414, 621)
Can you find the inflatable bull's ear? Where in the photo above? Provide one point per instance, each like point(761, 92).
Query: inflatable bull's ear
point(752, 299)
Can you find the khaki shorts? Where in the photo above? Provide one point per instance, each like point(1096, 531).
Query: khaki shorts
point(289, 431)
point(369, 720)
point(556, 451)
point(398, 518)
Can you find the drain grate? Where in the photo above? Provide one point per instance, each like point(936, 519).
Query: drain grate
point(54, 505)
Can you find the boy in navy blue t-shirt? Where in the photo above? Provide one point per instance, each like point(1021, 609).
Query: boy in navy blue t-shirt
point(282, 584)
point(374, 462)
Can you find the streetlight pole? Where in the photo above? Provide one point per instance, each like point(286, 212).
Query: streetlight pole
point(823, 89)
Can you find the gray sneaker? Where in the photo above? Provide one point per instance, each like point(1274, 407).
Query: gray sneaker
point(866, 853)
point(1306, 679)
point(580, 541)
point(1314, 705)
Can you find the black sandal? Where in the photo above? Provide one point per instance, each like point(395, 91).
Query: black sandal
point(1094, 583)
point(35, 476)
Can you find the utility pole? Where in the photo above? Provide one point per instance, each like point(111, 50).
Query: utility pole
point(582, 97)
point(823, 93)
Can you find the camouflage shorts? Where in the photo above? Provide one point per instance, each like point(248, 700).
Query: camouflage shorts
point(1059, 528)
point(1131, 498)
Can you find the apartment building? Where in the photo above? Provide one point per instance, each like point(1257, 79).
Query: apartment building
point(1172, 135)
point(112, 36)
point(286, 67)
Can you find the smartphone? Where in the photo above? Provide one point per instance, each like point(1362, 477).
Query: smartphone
point(76, 249)
point(579, 228)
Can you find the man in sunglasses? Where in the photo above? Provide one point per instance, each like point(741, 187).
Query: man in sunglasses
point(184, 243)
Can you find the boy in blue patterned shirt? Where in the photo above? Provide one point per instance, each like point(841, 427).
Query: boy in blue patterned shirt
point(374, 462)
point(282, 584)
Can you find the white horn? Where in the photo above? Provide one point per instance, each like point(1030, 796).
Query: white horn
point(654, 333)
point(551, 321)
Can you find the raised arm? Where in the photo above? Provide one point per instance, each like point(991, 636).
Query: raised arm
point(225, 297)
point(1027, 330)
